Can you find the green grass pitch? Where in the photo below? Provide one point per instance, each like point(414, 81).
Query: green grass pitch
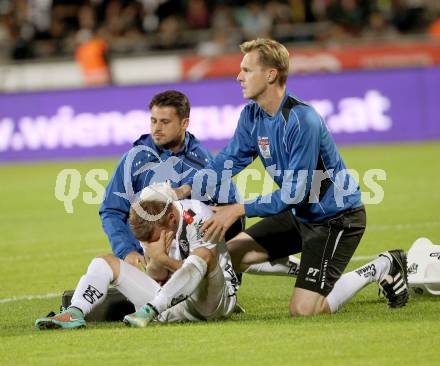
point(44, 250)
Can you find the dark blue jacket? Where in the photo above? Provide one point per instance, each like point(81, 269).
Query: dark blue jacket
point(142, 165)
point(294, 140)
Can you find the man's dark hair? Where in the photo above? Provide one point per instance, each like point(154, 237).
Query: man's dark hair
point(172, 98)
point(143, 229)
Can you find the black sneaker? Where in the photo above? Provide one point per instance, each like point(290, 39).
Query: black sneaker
point(395, 284)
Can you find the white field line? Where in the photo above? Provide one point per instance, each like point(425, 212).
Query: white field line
point(49, 295)
point(392, 227)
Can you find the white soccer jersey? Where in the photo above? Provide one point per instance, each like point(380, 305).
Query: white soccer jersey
point(215, 291)
point(193, 214)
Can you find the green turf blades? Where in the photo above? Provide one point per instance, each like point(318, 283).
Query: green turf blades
point(44, 250)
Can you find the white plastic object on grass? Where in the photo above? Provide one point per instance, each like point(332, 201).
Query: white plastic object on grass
point(424, 267)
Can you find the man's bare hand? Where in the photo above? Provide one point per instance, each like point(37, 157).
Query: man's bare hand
point(215, 228)
point(157, 249)
point(137, 260)
point(157, 271)
point(183, 191)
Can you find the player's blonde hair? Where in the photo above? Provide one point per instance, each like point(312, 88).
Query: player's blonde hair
point(272, 54)
point(143, 229)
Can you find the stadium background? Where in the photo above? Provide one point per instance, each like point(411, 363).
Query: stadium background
point(370, 67)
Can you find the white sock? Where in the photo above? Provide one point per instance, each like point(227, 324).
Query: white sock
point(181, 284)
point(350, 283)
point(135, 285)
point(92, 287)
point(288, 266)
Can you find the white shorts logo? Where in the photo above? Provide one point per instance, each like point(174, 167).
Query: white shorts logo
point(312, 271)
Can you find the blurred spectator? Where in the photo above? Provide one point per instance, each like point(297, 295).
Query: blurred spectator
point(297, 10)
point(91, 56)
point(434, 29)
point(86, 17)
point(223, 18)
point(254, 21)
point(150, 21)
point(168, 8)
point(336, 34)
point(113, 20)
point(279, 12)
point(197, 14)
point(408, 16)
point(170, 37)
point(4, 30)
point(46, 28)
point(222, 42)
point(65, 12)
point(378, 27)
point(347, 14)
point(131, 18)
point(39, 15)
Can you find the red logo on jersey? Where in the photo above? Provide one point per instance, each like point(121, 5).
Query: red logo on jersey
point(188, 217)
point(264, 146)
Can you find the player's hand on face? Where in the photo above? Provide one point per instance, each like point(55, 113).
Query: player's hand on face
point(215, 228)
point(136, 259)
point(158, 248)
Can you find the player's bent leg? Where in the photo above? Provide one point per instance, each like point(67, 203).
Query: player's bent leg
point(214, 298)
point(113, 262)
point(264, 248)
point(388, 270)
point(287, 266)
point(178, 288)
point(305, 303)
point(90, 292)
point(327, 249)
point(135, 285)
point(245, 251)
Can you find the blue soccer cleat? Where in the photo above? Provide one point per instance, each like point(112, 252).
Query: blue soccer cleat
point(141, 318)
point(70, 318)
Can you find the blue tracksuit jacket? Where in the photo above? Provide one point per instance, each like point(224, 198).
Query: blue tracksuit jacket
point(291, 144)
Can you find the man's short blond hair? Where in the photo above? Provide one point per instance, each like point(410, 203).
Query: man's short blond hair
point(272, 54)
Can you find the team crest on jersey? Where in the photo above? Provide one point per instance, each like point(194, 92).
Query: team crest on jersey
point(188, 216)
point(264, 146)
point(199, 233)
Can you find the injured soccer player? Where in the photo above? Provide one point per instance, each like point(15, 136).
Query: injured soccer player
point(186, 278)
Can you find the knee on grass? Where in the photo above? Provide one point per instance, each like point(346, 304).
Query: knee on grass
point(307, 308)
point(245, 251)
